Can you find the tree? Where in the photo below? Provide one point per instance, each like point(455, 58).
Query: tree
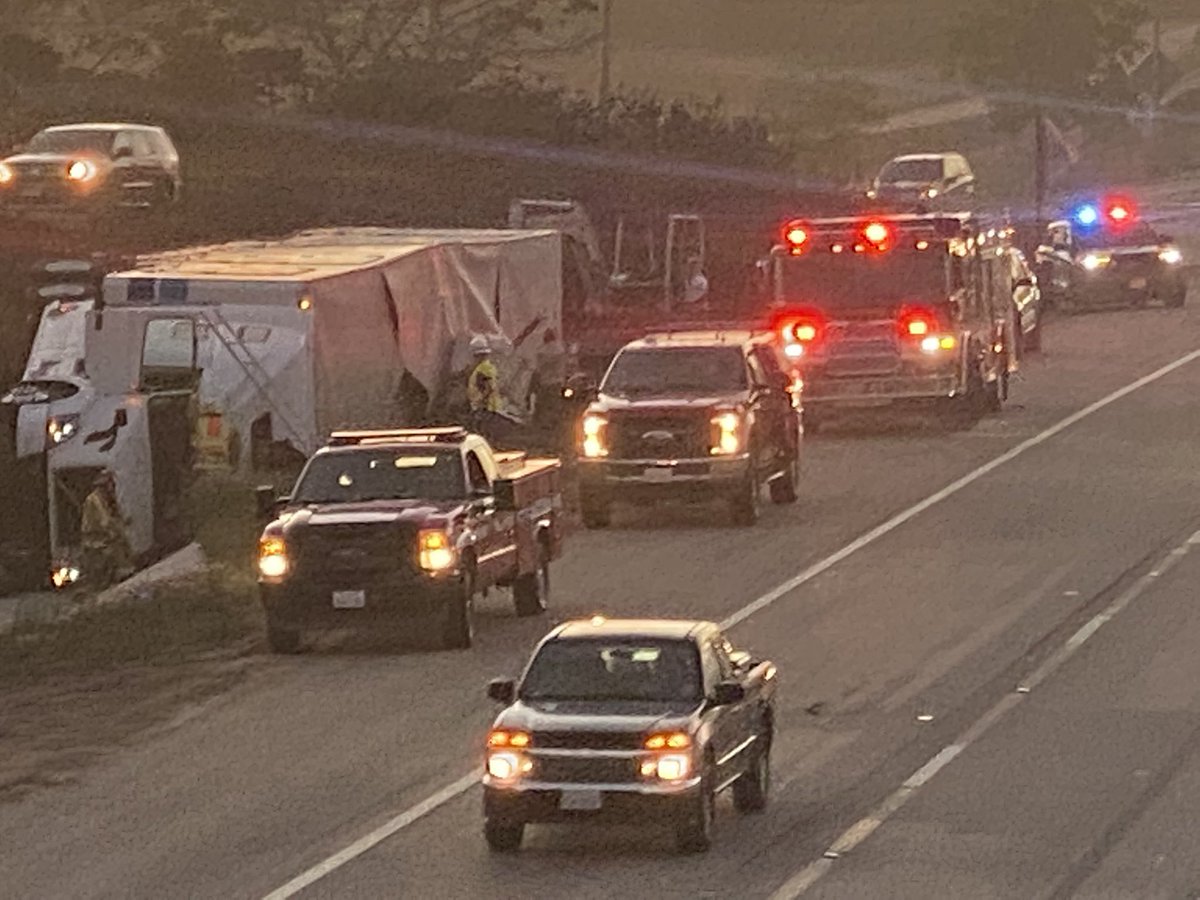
point(1036, 53)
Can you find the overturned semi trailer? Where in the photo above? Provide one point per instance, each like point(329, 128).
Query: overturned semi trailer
point(275, 343)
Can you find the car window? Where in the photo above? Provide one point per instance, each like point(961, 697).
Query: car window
point(123, 141)
point(770, 365)
point(143, 146)
point(614, 669)
point(476, 473)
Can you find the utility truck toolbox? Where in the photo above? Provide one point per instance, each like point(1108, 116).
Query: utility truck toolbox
point(385, 528)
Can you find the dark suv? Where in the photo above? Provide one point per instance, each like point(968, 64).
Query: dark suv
point(692, 415)
point(92, 166)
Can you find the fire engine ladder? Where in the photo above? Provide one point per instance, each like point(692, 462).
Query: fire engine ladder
point(250, 364)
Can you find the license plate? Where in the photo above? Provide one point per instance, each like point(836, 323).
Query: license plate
point(1138, 284)
point(659, 474)
point(349, 599)
point(588, 801)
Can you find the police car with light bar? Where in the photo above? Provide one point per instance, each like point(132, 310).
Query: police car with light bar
point(1106, 254)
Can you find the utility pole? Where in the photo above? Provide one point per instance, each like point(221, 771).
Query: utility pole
point(1040, 165)
point(606, 11)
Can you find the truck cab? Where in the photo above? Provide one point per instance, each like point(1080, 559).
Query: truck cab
point(629, 720)
point(692, 415)
point(909, 309)
point(384, 527)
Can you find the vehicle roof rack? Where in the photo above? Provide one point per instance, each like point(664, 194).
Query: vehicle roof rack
point(454, 434)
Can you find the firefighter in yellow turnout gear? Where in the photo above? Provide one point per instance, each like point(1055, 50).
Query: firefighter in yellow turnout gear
point(483, 384)
point(107, 557)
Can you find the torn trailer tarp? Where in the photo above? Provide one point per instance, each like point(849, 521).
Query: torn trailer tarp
point(317, 330)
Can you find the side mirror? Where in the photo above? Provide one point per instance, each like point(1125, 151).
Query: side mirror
point(266, 502)
point(740, 658)
point(580, 386)
point(728, 693)
point(1023, 283)
point(502, 690)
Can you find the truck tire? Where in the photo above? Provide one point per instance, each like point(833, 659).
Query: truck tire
point(503, 836)
point(596, 513)
point(458, 627)
point(284, 641)
point(751, 790)
point(695, 833)
point(785, 488)
point(961, 413)
point(745, 501)
point(531, 591)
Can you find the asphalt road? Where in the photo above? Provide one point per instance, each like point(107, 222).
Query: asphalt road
point(887, 656)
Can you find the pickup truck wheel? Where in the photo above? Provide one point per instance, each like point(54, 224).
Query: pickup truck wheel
point(785, 487)
point(283, 640)
point(750, 791)
point(745, 501)
point(695, 835)
point(596, 513)
point(502, 836)
point(531, 591)
point(458, 629)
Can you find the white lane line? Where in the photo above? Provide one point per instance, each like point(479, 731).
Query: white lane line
point(950, 490)
point(808, 876)
point(448, 793)
point(378, 836)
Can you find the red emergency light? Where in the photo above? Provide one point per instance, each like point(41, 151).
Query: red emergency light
point(795, 234)
point(877, 234)
point(917, 322)
point(1120, 211)
point(800, 327)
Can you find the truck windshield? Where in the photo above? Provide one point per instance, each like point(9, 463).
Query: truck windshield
point(849, 280)
point(921, 171)
point(364, 475)
point(614, 670)
point(666, 371)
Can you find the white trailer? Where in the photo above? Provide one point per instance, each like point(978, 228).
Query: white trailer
point(304, 336)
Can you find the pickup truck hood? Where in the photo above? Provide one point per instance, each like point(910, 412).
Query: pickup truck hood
point(666, 402)
point(616, 716)
point(371, 512)
point(63, 159)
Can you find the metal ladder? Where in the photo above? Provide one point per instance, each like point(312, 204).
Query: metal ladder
point(227, 335)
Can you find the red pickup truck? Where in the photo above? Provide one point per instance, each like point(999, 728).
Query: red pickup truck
point(387, 527)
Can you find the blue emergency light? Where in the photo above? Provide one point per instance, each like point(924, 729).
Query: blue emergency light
point(1087, 215)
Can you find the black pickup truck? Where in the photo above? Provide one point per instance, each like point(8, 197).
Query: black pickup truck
point(386, 526)
point(629, 720)
point(692, 415)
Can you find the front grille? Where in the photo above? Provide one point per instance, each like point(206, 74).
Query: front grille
point(680, 435)
point(586, 740)
point(862, 348)
point(585, 770)
point(350, 553)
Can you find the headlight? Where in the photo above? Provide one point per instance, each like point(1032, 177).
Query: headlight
point(667, 767)
point(508, 765)
point(727, 434)
point(1171, 256)
point(437, 553)
point(931, 193)
point(272, 558)
point(594, 443)
point(938, 343)
point(82, 170)
point(60, 429)
point(1094, 261)
point(7, 175)
point(63, 575)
